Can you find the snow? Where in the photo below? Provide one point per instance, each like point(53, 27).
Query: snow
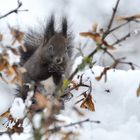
point(7, 95)
point(20, 108)
point(118, 110)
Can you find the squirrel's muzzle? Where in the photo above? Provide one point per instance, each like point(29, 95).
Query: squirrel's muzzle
point(59, 60)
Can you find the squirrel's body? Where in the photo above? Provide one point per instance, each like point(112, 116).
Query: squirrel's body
point(48, 54)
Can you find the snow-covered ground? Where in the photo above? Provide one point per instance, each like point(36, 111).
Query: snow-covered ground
point(118, 109)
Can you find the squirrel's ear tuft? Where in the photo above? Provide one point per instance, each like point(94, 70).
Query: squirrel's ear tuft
point(49, 29)
point(64, 27)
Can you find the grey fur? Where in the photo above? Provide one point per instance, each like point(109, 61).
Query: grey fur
point(48, 54)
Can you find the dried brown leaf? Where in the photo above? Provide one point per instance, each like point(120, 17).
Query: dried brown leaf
point(5, 115)
point(1, 37)
point(68, 135)
point(17, 128)
point(94, 27)
point(98, 78)
point(138, 91)
point(74, 85)
point(95, 36)
point(17, 35)
point(88, 103)
point(110, 47)
point(9, 71)
point(136, 16)
point(41, 102)
point(3, 62)
point(104, 72)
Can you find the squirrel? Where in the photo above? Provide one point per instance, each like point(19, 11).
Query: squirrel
point(47, 54)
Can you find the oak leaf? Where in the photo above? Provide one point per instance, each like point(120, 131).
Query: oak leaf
point(128, 18)
point(1, 37)
point(3, 62)
point(5, 115)
point(87, 102)
point(95, 36)
point(138, 91)
point(17, 35)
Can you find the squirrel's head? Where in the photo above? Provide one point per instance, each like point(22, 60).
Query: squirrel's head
point(55, 48)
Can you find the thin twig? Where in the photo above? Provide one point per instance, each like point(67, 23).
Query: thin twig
point(73, 74)
point(107, 52)
point(14, 11)
point(128, 63)
point(115, 28)
point(122, 39)
point(58, 128)
point(113, 15)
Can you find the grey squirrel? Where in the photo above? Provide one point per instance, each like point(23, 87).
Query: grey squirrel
point(48, 54)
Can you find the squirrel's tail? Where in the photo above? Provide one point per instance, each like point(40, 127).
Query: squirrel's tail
point(32, 41)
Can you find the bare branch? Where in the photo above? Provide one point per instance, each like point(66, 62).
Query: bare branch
point(58, 128)
point(115, 28)
point(122, 39)
point(113, 15)
point(14, 11)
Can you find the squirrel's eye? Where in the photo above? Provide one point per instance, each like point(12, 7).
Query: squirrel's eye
point(50, 48)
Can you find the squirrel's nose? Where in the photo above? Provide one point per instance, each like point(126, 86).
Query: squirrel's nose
point(59, 60)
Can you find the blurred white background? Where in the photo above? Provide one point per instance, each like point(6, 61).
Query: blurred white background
point(82, 14)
